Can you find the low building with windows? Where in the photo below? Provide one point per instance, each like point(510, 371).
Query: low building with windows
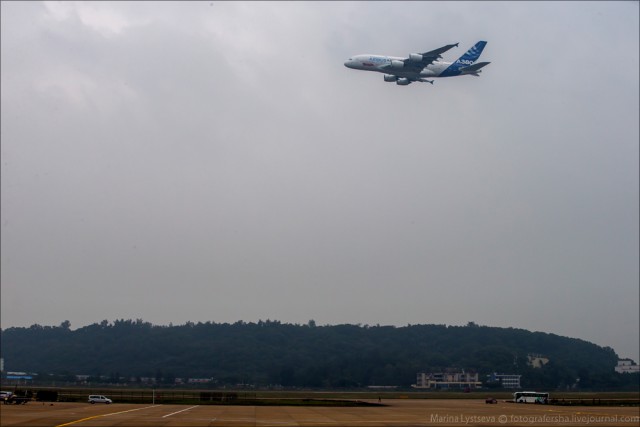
point(505, 380)
point(18, 378)
point(447, 380)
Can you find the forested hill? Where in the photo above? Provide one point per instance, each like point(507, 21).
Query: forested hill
point(270, 352)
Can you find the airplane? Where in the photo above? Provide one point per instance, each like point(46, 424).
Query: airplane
point(420, 66)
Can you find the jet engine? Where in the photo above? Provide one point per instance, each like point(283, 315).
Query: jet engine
point(397, 64)
point(403, 81)
point(415, 57)
point(390, 78)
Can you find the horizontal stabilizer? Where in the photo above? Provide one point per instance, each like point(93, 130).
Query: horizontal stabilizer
point(473, 69)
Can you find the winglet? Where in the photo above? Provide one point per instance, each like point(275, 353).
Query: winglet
point(456, 44)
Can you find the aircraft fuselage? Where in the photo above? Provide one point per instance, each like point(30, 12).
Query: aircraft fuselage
point(376, 62)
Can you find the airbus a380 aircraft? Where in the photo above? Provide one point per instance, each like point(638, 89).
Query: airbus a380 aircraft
point(418, 66)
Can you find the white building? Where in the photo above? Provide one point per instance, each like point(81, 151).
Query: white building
point(537, 360)
point(627, 366)
point(446, 380)
point(506, 380)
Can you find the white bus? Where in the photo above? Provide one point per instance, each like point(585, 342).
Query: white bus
point(530, 397)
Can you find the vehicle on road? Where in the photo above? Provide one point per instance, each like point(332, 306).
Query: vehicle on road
point(96, 398)
point(530, 397)
point(490, 400)
point(17, 399)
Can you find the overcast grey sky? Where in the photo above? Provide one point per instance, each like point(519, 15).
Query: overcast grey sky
point(217, 162)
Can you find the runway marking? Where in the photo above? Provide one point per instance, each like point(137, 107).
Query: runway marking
point(177, 412)
point(103, 415)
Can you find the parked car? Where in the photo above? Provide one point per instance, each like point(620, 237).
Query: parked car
point(96, 398)
point(490, 400)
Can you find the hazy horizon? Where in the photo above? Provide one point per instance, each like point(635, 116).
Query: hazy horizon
point(215, 161)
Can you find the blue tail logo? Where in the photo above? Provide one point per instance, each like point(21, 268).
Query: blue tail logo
point(465, 60)
point(472, 54)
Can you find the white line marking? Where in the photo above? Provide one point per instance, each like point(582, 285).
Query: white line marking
point(177, 412)
point(130, 410)
point(103, 415)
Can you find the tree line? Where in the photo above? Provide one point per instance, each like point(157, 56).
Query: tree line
point(307, 355)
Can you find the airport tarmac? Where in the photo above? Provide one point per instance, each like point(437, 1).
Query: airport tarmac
point(398, 413)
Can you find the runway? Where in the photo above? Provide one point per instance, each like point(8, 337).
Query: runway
point(399, 413)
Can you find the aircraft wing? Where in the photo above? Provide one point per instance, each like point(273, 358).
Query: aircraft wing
point(427, 58)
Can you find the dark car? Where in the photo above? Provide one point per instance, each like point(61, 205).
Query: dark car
point(490, 400)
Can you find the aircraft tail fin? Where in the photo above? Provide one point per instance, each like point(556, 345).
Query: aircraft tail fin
point(466, 61)
point(472, 54)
